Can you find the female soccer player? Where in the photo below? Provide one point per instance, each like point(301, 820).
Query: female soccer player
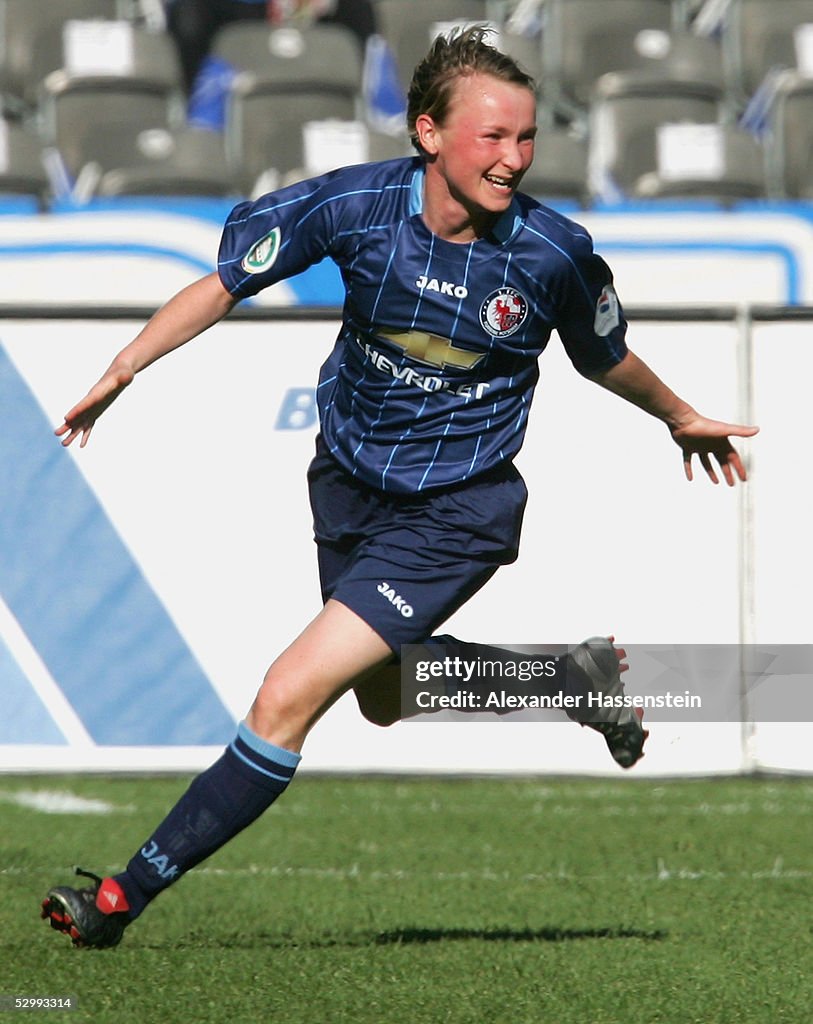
point(454, 281)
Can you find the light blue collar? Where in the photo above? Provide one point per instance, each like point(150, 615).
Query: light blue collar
point(506, 227)
point(416, 193)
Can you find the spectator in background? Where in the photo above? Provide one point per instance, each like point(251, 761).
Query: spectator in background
point(194, 23)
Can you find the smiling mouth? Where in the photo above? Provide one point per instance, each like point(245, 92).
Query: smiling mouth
point(506, 184)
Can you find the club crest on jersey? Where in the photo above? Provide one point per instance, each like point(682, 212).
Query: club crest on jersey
point(607, 318)
point(262, 255)
point(503, 312)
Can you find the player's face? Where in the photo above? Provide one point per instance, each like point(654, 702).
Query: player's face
point(480, 152)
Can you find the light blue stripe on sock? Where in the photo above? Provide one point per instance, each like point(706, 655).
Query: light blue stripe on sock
point(256, 767)
point(260, 746)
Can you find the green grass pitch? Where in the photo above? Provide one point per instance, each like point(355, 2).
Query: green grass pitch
point(424, 901)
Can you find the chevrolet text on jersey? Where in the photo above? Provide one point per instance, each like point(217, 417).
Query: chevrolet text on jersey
point(409, 375)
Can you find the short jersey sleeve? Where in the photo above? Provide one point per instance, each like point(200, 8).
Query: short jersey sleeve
point(590, 320)
point(276, 236)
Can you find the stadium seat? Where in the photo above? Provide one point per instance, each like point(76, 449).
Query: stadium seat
point(107, 54)
point(410, 25)
point(78, 103)
point(526, 51)
point(789, 141)
point(661, 62)
point(21, 22)
point(624, 131)
point(584, 39)
point(559, 170)
point(287, 78)
point(155, 161)
point(759, 36)
point(22, 171)
point(736, 172)
point(674, 77)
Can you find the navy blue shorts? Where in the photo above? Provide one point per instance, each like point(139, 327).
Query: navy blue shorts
point(405, 564)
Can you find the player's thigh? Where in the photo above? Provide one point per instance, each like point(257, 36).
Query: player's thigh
point(335, 651)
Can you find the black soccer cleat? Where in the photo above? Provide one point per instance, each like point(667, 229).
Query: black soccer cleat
point(74, 912)
point(622, 727)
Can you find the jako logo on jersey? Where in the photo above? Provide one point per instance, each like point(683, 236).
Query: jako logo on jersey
point(607, 317)
point(262, 254)
point(431, 349)
point(159, 861)
point(395, 599)
point(503, 312)
point(431, 284)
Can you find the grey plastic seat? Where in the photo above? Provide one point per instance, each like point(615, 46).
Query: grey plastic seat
point(741, 174)
point(662, 62)
point(21, 22)
point(77, 105)
point(584, 39)
point(623, 134)
point(759, 36)
point(676, 78)
point(154, 161)
point(408, 25)
point(559, 170)
point(22, 171)
point(287, 77)
point(526, 51)
point(153, 63)
point(789, 141)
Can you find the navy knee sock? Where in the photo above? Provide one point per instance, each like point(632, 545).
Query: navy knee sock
point(219, 803)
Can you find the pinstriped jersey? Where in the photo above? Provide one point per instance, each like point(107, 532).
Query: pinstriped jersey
point(433, 371)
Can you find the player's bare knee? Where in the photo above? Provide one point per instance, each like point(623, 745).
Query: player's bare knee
point(276, 702)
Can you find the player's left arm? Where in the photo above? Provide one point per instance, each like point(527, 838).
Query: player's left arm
point(634, 381)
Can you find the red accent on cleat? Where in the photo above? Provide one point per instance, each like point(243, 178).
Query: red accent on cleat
point(110, 898)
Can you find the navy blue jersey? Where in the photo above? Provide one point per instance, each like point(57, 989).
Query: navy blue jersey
point(433, 371)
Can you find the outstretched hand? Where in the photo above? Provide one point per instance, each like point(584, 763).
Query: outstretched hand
point(84, 414)
point(710, 438)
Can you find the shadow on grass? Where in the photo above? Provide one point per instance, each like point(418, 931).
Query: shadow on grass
point(419, 936)
point(413, 936)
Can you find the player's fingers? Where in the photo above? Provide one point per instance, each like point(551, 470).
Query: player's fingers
point(706, 463)
point(738, 465)
point(687, 466)
point(73, 426)
point(738, 430)
point(85, 436)
point(728, 473)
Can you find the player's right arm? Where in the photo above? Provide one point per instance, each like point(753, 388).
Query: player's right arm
point(187, 314)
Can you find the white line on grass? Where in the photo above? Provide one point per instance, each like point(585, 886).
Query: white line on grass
point(55, 801)
point(355, 873)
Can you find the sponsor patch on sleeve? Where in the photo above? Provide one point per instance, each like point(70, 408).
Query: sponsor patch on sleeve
point(262, 255)
point(607, 318)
